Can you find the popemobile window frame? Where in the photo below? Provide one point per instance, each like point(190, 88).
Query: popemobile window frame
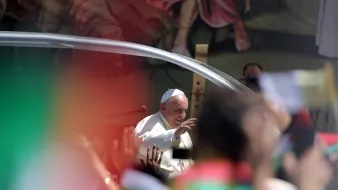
point(48, 40)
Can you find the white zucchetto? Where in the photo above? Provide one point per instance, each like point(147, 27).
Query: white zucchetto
point(171, 93)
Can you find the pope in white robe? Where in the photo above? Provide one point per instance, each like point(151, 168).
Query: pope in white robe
point(167, 129)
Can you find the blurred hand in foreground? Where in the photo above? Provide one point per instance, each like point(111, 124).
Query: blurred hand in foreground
point(264, 123)
point(153, 159)
point(311, 171)
point(124, 153)
point(97, 163)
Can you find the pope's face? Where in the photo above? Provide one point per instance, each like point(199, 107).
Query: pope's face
point(175, 110)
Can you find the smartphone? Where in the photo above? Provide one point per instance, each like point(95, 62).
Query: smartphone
point(303, 139)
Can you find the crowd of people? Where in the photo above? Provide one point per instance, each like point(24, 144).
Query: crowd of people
point(238, 141)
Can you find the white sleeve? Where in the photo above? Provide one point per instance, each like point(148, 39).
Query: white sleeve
point(163, 139)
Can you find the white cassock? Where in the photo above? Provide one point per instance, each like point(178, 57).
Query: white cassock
point(155, 130)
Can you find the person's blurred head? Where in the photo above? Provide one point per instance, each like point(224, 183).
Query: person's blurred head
point(252, 70)
point(229, 121)
point(174, 110)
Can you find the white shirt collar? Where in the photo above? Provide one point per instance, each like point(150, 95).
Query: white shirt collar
point(164, 121)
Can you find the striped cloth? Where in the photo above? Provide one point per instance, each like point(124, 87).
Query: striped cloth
point(217, 175)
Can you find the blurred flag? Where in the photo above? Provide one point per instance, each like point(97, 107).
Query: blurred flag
point(301, 88)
